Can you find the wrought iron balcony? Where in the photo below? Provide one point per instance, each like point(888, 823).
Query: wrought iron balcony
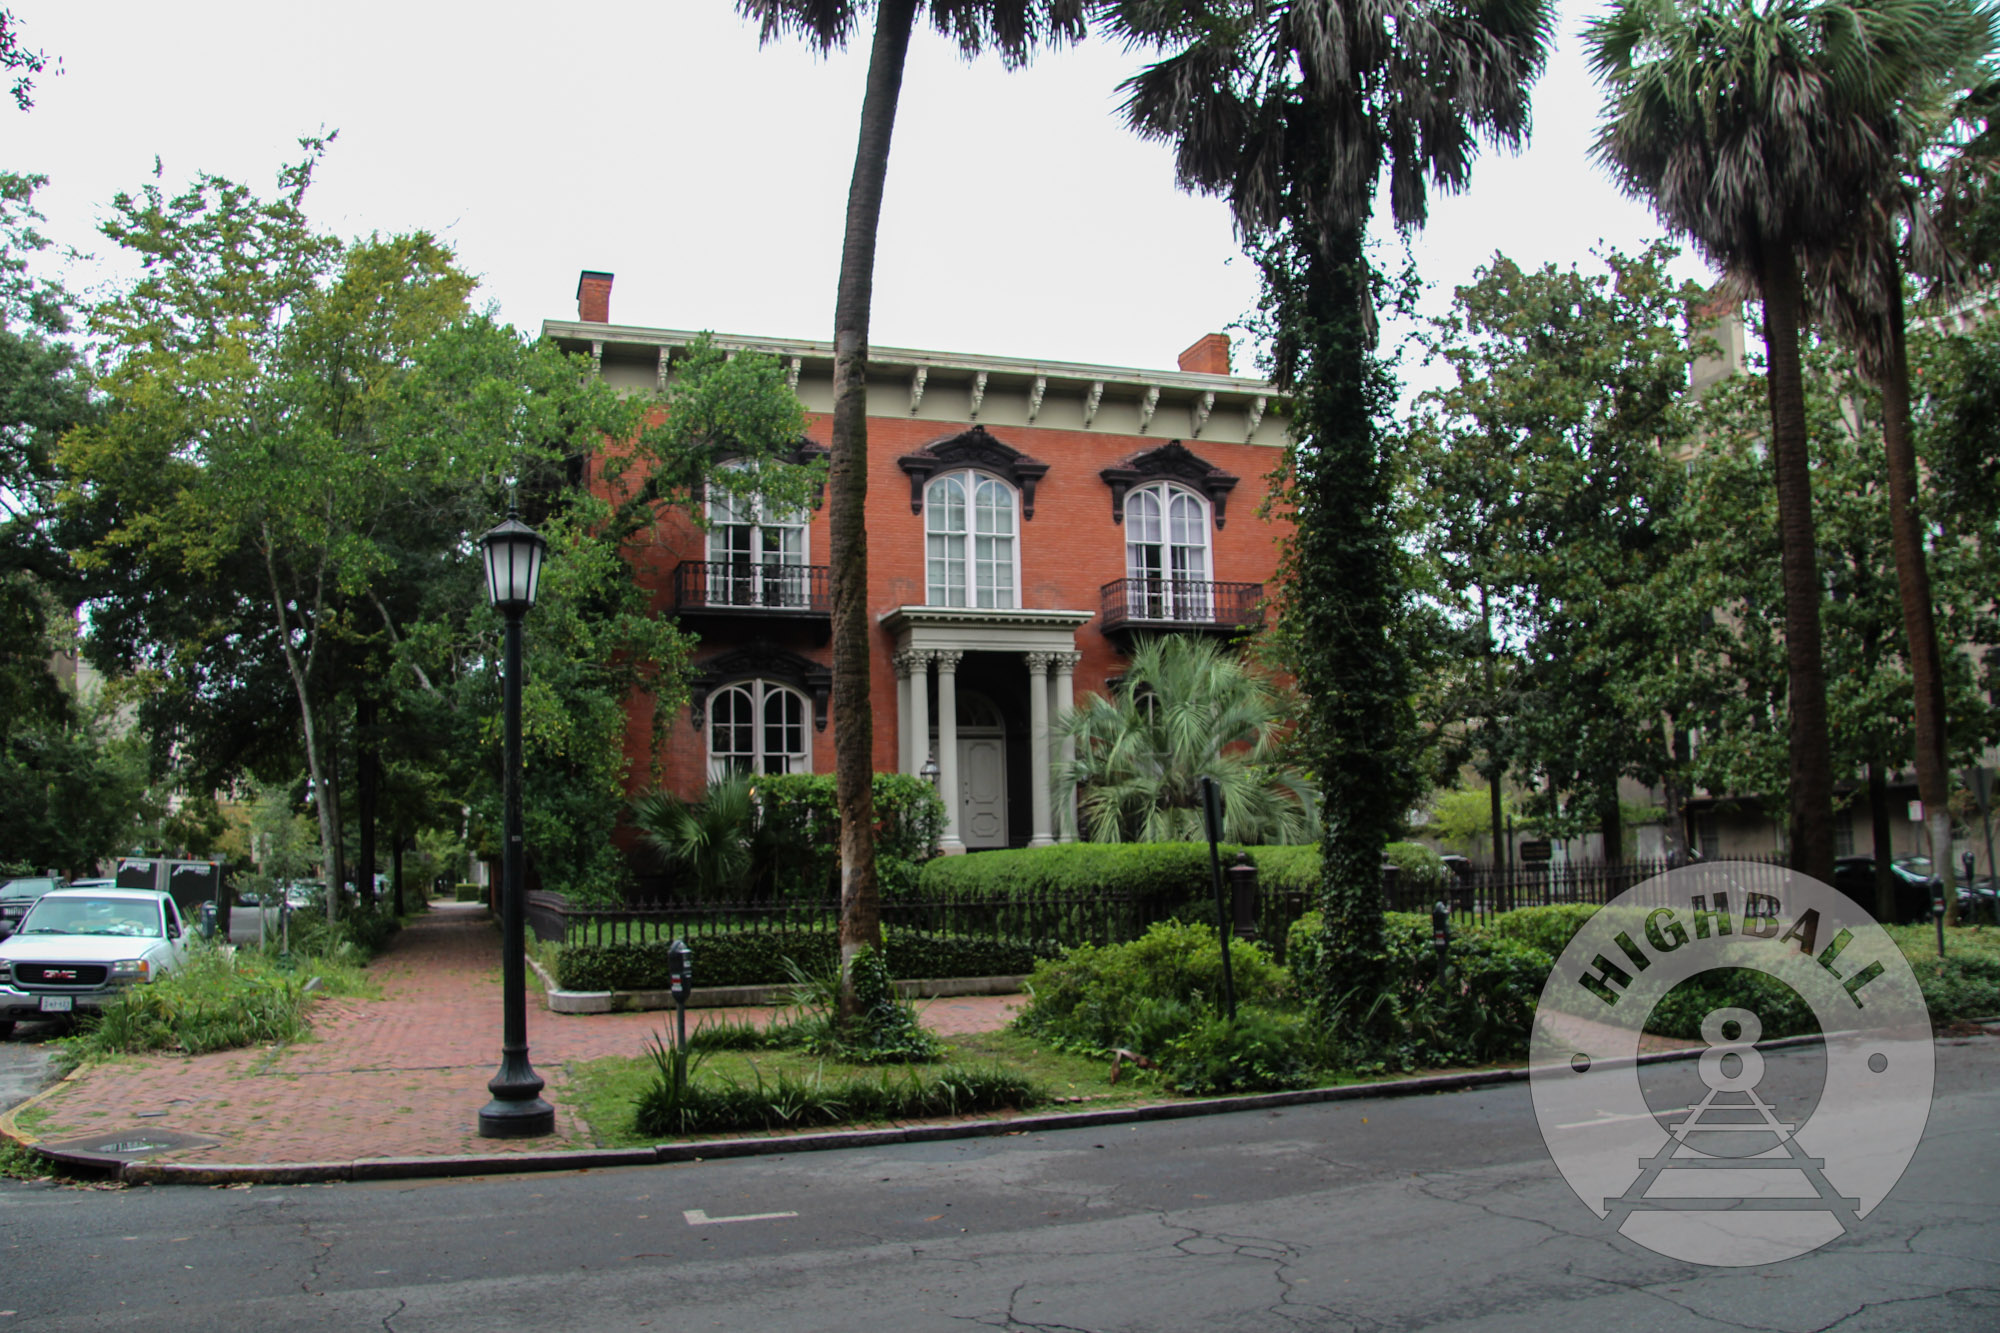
point(1181, 605)
point(721, 587)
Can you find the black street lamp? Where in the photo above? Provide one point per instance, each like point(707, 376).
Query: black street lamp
point(513, 569)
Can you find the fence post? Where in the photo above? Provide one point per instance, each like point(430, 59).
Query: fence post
point(1390, 874)
point(1243, 896)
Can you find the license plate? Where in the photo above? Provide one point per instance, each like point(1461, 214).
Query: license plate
point(55, 1004)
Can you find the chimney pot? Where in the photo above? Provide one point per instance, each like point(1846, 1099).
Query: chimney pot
point(593, 297)
point(1209, 355)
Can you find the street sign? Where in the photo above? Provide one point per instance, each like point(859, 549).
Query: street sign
point(1537, 849)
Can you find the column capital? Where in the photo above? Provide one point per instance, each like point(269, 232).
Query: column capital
point(947, 658)
point(1065, 662)
point(1038, 663)
point(912, 660)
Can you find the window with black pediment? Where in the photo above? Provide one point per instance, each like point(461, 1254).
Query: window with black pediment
point(1172, 462)
point(767, 668)
point(976, 450)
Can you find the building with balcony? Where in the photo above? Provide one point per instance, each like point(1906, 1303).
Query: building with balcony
point(1026, 519)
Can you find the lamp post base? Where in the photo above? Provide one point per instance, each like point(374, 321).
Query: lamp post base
point(516, 1119)
point(517, 1110)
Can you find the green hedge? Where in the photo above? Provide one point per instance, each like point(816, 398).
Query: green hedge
point(799, 812)
point(757, 958)
point(1171, 871)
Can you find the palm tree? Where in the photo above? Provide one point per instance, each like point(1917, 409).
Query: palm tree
point(719, 844)
point(1294, 111)
point(1763, 131)
point(1186, 708)
point(1014, 28)
point(1910, 228)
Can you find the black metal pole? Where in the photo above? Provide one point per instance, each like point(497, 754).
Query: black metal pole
point(1211, 809)
point(517, 1110)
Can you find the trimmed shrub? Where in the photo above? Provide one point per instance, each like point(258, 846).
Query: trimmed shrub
point(1089, 999)
point(1257, 1051)
point(1174, 873)
point(1287, 869)
point(757, 958)
point(798, 812)
point(679, 1101)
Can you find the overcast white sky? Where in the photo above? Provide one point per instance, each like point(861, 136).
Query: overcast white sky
point(657, 141)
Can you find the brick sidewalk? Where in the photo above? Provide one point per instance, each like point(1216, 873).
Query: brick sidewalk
point(402, 1076)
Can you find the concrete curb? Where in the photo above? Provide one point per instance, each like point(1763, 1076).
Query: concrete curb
point(720, 997)
point(483, 1164)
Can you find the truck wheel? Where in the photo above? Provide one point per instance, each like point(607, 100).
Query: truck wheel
point(6, 1028)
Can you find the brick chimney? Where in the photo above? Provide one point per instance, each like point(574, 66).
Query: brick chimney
point(1209, 355)
point(593, 299)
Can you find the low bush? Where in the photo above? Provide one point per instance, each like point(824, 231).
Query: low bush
point(679, 1101)
point(1257, 1051)
point(884, 1032)
point(355, 937)
point(758, 958)
point(1090, 998)
point(468, 893)
point(216, 1000)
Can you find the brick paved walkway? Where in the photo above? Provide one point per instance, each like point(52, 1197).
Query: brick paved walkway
point(401, 1076)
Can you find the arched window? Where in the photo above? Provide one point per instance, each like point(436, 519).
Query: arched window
point(757, 556)
point(969, 530)
point(756, 726)
point(1166, 547)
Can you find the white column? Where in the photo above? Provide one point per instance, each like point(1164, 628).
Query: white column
point(1064, 687)
point(904, 746)
point(917, 663)
point(1038, 749)
point(947, 756)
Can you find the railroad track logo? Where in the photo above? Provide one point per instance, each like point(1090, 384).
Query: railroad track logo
point(1719, 1160)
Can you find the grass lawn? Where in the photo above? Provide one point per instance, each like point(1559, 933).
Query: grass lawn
point(603, 1091)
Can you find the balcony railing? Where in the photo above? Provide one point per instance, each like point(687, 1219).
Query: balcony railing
point(745, 588)
point(1181, 604)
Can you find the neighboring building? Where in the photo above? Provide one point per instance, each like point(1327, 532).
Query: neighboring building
point(1025, 519)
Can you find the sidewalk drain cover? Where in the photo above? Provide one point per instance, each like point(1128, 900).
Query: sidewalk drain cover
point(137, 1143)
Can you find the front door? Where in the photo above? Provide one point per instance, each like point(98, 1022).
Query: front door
point(982, 783)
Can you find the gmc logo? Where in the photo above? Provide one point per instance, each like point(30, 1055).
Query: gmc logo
point(59, 974)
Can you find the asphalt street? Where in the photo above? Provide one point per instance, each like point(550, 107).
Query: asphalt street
point(1416, 1213)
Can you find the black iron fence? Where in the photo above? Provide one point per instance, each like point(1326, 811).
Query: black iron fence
point(1046, 919)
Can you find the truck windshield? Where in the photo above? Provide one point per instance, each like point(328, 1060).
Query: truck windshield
point(92, 916)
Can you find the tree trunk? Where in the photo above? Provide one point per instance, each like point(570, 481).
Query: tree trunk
point(367, 765)
point(1498, 768)
point(1674, 834)
point(1805, 674)
point(1612, 823)
point(1343, 597)
point(1913, 587)
point(853, 716)
point(1878, 819)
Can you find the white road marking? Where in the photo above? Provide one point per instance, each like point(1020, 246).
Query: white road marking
point(697, 1218)
point(1604, 1118)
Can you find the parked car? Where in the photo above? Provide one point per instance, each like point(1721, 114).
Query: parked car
point(18, 895)
point(1911, 876)
point(77, 950)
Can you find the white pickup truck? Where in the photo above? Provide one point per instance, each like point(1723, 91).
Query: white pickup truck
point(78, 949)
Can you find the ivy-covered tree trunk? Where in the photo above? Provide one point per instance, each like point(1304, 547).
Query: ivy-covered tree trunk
point(853, 716)
point(1343, 594)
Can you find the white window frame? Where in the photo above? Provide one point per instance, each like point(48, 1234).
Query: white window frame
point(1167, 587)
point(771, 574)
point(939, 561)
point(759, 697)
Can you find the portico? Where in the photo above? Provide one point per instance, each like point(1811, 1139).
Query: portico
point(970, 734)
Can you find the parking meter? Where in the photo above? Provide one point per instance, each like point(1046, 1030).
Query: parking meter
point(680, 980)
point(1440, 933)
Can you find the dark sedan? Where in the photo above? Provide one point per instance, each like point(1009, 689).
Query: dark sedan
point(18, 895)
